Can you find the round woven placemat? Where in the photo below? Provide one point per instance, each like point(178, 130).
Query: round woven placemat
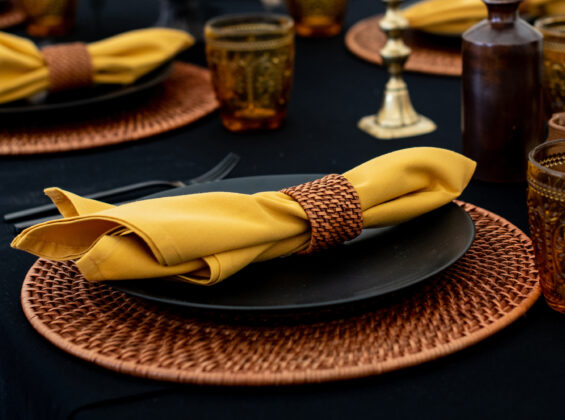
point(430, 54)
point(184, 97)
point(492, 285)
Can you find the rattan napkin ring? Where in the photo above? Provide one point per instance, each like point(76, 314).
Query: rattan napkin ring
point(333, 209)
point(69, 65)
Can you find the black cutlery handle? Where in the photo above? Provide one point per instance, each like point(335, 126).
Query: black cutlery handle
point(41, 213)
point(24, 224)
point(47, 209)
point(20, 226)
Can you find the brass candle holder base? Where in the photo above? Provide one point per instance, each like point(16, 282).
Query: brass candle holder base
point(397, 117)
point(370, 125)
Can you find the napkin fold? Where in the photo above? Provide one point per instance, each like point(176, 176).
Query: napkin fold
point(205, 238)
point(121, 59)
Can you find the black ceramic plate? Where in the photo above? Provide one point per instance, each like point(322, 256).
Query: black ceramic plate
point(377, 262)
point(87, 96)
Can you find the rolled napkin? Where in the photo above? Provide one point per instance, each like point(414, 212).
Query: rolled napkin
point(205, 238)
point(453, 17)
point(26, 70)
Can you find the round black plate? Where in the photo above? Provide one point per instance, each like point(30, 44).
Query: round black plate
point(87, 96)
point(377, 262)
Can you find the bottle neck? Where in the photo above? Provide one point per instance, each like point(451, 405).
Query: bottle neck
point(502, 14)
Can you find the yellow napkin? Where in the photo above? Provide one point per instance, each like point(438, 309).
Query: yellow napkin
point(204, 238)
point(121, 59)
point(453, 17)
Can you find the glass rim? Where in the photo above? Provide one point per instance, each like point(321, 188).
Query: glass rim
point(544, 24)
point(285, 23)
point(532, 160)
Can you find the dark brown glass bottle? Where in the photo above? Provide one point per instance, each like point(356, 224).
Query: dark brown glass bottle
point(502, 96)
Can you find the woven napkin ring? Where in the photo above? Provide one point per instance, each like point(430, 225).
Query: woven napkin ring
point(69, 65)
point(333, 209)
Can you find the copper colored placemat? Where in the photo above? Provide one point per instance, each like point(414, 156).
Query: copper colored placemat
point(184, 97)
point(12, 17)
point(430, 54)
point(493, 284)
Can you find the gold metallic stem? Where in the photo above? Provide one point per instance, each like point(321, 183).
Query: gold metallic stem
point(396, 111)
point(397, 117)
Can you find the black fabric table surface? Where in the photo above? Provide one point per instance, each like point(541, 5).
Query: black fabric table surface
point(517, 373)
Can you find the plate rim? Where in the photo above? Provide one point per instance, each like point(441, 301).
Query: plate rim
point(156, 76)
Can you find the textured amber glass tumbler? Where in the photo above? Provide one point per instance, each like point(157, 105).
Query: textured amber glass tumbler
point(553, 31)
point(317, 18)
point(48, 18)
point(251, 58)
point(546, 210)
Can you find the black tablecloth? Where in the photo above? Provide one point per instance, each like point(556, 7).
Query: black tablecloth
point(514, 374)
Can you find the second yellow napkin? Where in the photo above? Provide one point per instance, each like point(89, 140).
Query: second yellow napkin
point(453, 17)
point(204, 238)
point(121, 59)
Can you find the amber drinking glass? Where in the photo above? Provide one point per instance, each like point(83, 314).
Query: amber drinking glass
point(49, 17)
point(546, 209)
point(553, 31)
point(317, 17)
point(251, 58)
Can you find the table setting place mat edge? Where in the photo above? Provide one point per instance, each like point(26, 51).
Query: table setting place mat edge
point(476, 297)
point(168, 107)
point(365, 39)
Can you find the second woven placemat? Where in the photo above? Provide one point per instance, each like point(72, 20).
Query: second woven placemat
point(184, 97)
point(492, 285)
point(12, 16)
point(429, 54)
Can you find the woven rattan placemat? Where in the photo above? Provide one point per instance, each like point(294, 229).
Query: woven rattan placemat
point(492, 285)
point(184, 97)
point(11, 17)
point(430, 54)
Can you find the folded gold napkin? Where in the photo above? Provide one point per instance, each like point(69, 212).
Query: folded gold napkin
point(122, 59)
point(204, 238)
point(453, 17)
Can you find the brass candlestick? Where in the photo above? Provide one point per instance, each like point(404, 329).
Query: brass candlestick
point(396, 117)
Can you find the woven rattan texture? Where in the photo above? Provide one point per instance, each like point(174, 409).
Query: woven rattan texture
point(333, 209)
point(365, 39)
point(184, 97)
point(493, 284)
point(70, 66)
